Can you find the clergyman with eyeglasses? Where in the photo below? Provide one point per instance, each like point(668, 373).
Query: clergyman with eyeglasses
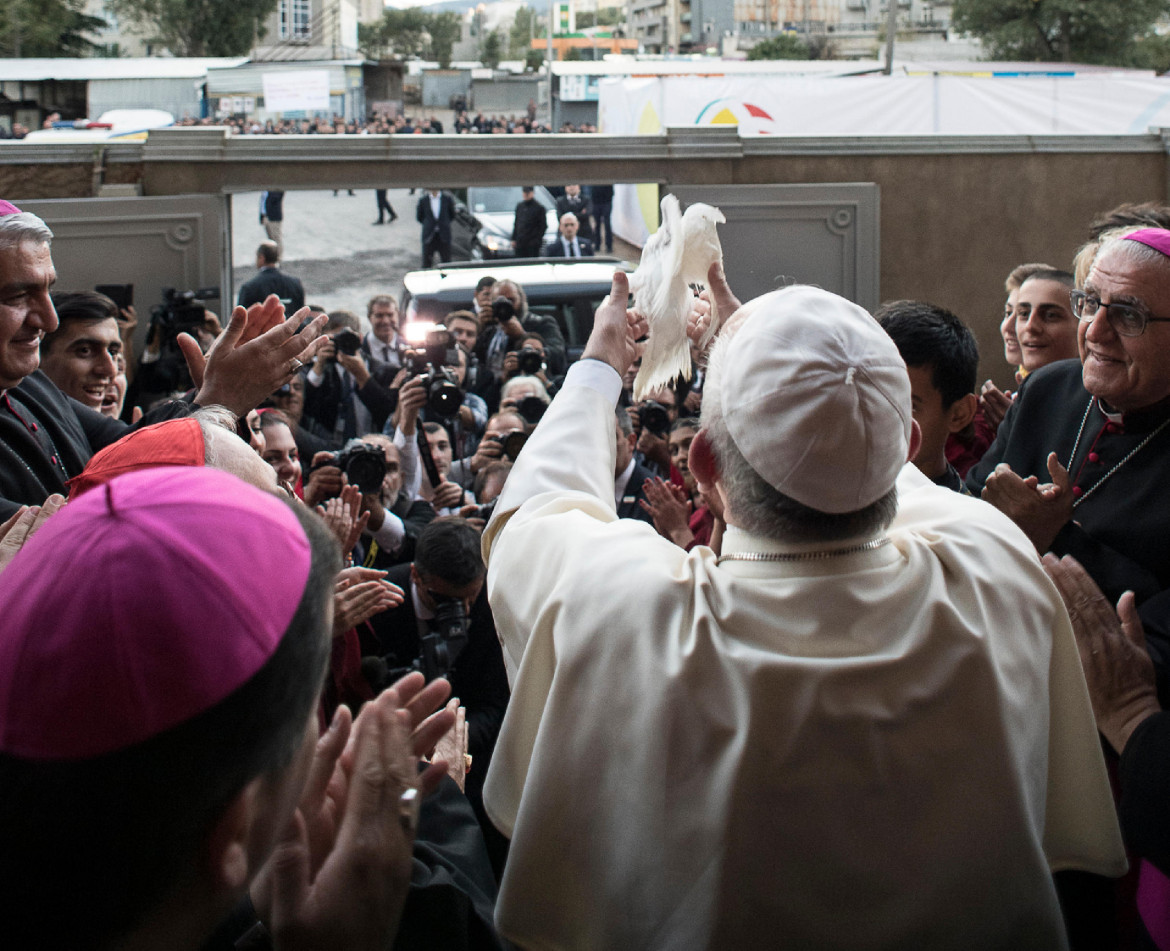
point(1082, 457)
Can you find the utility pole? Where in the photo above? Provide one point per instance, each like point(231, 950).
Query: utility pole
point(891, 29)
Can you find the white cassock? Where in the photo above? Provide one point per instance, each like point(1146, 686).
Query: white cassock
point(889, 749)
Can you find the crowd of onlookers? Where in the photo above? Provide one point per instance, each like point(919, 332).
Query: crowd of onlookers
point(401, 439)
point(419, 124)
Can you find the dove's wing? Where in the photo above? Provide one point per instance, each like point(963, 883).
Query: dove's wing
point(663, 298)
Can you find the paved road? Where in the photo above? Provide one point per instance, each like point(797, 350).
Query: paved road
point(331, 244)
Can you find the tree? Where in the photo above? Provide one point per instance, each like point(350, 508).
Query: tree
point(1083, 31)
point(490, 52)
point(47, 28)
point(783, 46)
point(399, 33)
point(445, 30)
point(198, 27)
point(525, 28)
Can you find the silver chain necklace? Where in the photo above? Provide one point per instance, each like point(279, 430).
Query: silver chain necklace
point(1133, 452)
point(871, 545)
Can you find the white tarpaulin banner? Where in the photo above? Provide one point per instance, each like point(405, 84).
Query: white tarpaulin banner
point(300, 90)
point(872, 105)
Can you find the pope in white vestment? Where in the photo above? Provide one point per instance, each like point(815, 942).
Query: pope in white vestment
point(890, 746)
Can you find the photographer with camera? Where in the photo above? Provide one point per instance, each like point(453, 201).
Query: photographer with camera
point(344, 396)
point(444, 628)
point(652, 419)
point(505, 325)
point(503, 438)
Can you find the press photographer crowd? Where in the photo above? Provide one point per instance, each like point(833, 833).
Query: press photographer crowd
point(334, 630)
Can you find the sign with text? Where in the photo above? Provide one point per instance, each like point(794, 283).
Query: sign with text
point(293, 90)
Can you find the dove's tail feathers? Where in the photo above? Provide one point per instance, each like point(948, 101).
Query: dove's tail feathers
point(664, 371)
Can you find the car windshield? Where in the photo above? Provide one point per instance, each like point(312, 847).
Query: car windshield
point(502, 199)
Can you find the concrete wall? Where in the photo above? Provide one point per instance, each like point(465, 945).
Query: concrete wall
point(506, 97)
point(179, 97)
point(439, 85)
point(957, 213)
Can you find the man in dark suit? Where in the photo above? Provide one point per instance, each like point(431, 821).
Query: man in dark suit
point(271, 280)
point(572, 200)
point(344, 394)
point(528, 225)
point(448, 570)
point(629, 476)
point(568, 244)
point(436, 210)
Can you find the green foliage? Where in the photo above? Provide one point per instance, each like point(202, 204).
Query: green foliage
point(492, 50)
point(198, 27)
point(1108, 32)
point(1153, 52)
point(533, 59)
point(782, 46)
point(399, 33)
point(572, 54)
point(445, 31)
point(411, 32)
point(47, 28)
point(607, 16)
point(525, 28)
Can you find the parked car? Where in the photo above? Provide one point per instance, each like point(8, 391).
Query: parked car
point(117, 125)
point(482, 229)
point(570, 290)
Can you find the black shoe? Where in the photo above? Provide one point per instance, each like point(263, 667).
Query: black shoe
point(379, 222)
point(393, 217)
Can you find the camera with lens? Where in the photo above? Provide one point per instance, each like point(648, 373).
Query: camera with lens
point(485, 511)
point(654, 417)
point(532, 409)
point(180, 312)
point(511, 443)
point(439, 648)
point(445, 639)
point(363, 463)
point(502, 310)
point(347, 341)
point(529, 361)
point(432, 364)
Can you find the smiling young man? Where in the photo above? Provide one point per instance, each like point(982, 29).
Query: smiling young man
point(1098, 436)
point(82, 355)
point(1046, 327)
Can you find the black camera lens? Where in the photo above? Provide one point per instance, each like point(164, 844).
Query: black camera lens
point(502, 309)
point(513, 442)
point(347, 342)
point(364, 465)
point(443, 397)
point(532, 409)
point(655, 417)
point(530, 361)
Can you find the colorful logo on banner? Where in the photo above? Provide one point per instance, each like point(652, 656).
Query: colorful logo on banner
point(751, 119)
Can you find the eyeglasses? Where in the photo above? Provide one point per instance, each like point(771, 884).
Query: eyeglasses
point(1127, 320)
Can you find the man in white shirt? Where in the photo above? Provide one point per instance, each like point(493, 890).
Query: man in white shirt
point(381, 341)
point(862, 725)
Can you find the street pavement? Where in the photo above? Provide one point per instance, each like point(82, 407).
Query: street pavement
point(331, 244)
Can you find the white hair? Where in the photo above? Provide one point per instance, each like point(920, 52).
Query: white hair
point(533, 381)
point(219, 417)
point(22, 228)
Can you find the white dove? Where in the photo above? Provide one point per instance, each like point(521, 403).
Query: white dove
point(677, 255)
